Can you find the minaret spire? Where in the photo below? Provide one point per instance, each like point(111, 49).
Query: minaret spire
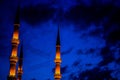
point(57, 75)
point(13, 57)
point(20, 70)
point(58, 38)
point(17, 17)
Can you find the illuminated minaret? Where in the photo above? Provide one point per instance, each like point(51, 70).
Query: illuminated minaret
point(57, 75)
point(15, 43)
point(20, 70)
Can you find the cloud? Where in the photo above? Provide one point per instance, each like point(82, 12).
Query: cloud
point(91, 50)
point(37, 14)
point(91, 2)
point(33, 79)
point(107, 56)
point(79, 52)
point(88, 14)
point(67, 51)
point(94, 74)
point(113, 37)
point(100, 15)
point(96, 33)
point(88, 51)
point(118, 60)
point(76, 63)
point(64, 69)
point(72, 77)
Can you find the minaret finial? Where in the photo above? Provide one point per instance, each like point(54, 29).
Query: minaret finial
point(58, 37)
point(17, 17)
point(21, 55)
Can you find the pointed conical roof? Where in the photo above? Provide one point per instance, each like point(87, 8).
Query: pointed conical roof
point(21, 56)
point(58, 38)
point(17, 17)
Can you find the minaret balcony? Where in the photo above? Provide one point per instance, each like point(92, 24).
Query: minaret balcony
point(16, 24)
point(13, 59)
point(15, 42)
point(57, 76)
point(57, 60)
point(20, 71)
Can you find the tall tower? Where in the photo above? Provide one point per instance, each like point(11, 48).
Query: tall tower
point(57, 75)
point(15, 43)
point(20, 70)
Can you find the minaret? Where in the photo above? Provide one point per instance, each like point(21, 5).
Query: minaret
point(57, 75)
point(20, 70)
point(15, 43)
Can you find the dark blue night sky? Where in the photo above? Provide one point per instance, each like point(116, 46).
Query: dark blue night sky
point(89, 35)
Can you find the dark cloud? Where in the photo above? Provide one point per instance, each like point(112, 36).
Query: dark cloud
point(59, 16)
point(33, 79)
point(106, 61)
point(88, 51)
point(73, 77)
point(76, 63)
point(107, 56)
point(79, 52)
point(48, 79)
point(91, 2)
point(94, 74)
point(97, 32)
point(37, 14)
point(64, 69)
point(118, 60)
point(67, 51)
point(91, 50)
point(100, 15)
point(113, 37)
point(87, 14)
point(89, 64)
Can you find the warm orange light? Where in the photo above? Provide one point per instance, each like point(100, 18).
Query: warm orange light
point(14, 52)
point(57, 70)
point(12, 72)
point(15, 35)
point(57, 55)
point(20, 70)
point(57, 52)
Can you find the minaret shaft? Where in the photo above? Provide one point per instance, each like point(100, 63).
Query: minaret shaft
point(12, 69)
point(58, 56)
point(57, 69)
point(13, 57)
point(57, 60)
